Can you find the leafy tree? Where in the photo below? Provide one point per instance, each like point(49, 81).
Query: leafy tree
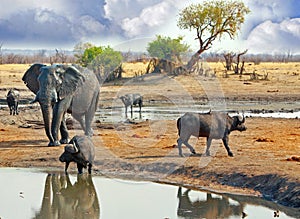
point(79, 50)
point(212, 19)
point(106, 62)
point(101, 60)
point(167, 48)
point(90, 54)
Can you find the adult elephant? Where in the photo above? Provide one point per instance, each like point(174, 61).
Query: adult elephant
point(60, 89)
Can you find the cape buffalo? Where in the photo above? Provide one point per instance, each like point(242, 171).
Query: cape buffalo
point(81, 151)
point(212, 125)
point(12, 99)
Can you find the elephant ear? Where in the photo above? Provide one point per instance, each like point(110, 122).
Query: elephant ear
point(30, 77)
point(71, 80)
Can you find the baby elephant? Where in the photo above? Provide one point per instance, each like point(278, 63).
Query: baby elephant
point(81, 151)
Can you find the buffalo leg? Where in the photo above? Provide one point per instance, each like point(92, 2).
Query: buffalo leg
point(79, 167)
point(66, 167)
point(17, 110)
point(208, 143)
point(225, 142)
point(89, 168)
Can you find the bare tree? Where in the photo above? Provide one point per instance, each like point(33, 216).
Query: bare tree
point(228, 59)
point(237, 68)
point(61, 56)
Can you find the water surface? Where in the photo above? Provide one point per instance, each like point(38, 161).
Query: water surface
point(173, 112)
point(28, 193)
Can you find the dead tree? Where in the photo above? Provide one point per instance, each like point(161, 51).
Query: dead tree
point(228, 59)
point(60, 57)
point(237, 68)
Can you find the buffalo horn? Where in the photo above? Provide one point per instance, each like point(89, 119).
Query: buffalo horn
point(75, 147)
point(243, 119)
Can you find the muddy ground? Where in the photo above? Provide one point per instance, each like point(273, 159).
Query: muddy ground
point(265, 156)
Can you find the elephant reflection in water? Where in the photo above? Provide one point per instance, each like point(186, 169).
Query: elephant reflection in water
point(211, 208)
point(69, 201)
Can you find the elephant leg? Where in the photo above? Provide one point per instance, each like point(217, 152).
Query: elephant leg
point(190, 147)
point(89, 116)
point(64, 131)
point(88, 125)
point(126, 111)
point(59, 111)
point(179, 142)
point(131, 108)
point(80, 119)
point(208, 143)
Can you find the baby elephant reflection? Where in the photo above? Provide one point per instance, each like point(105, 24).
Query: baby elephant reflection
point(78, 200)
point(211, 208)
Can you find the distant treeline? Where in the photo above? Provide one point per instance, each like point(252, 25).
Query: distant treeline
point(67, 56)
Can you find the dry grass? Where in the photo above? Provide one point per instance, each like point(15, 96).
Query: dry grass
point(283, 80)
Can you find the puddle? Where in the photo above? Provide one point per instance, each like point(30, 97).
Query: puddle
point(28, 193)
point(174, 112)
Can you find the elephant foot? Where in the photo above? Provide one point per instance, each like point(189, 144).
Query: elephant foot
point(193, 151)
point(181, 155)
point(207, 154)
point(54, 143)
point(230, 154)
point(89, 133)
point(64, 141)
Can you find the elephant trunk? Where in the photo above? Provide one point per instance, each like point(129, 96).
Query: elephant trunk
point(47, 112)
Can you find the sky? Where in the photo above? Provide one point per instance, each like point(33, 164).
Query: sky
point(273, 26)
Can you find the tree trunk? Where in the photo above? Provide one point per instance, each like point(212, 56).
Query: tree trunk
point(194, 59)
point(228, 59)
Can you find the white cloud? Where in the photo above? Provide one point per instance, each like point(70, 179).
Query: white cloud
point(67, 22)
point(273, 10)
point(271, 37)
point(148, 21)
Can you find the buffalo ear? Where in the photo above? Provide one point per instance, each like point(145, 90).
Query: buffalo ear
point(71, 79)
point(31, 75)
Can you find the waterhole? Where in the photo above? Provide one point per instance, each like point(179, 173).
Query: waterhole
point(32, 193)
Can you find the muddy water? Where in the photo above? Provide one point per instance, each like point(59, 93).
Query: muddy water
point(28, 193)
point(173, 112)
